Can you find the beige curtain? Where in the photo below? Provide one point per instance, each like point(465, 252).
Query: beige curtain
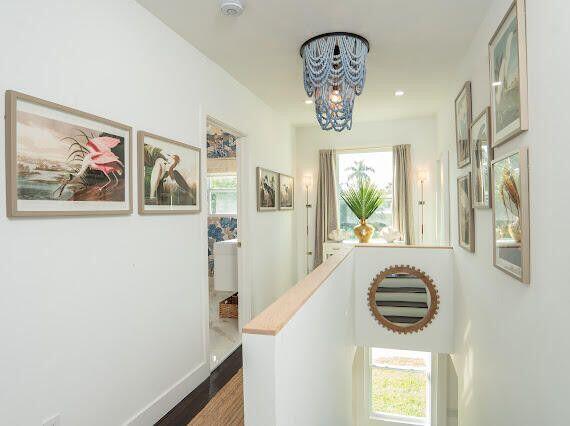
point(403, 210)
point(327, 202)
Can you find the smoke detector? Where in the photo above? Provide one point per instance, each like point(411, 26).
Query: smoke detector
point(231, 7)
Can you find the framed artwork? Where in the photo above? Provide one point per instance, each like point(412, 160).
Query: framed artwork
point(508, 75)
point(481, 156)
point(511, 252)
point(466, 217)
point(64, 162)
point(169, 176)
point(286, 192)
point(462, 125)
point(267, 184)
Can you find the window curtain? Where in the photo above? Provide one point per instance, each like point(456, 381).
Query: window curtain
point(403, 211)
point(327, 202)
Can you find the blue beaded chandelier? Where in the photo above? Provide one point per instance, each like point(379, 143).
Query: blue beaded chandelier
point(334, 71)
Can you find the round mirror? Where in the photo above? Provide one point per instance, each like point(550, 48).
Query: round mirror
point(403, 299)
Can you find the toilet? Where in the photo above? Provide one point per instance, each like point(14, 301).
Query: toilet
point(225, 265)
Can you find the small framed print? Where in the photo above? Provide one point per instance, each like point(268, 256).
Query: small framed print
point(267, 189)
point(286, 192)
point(481, 157)
point(511, 251)
point(463, 125)
point(64, 162)
point(169, 176)
point(466, 217)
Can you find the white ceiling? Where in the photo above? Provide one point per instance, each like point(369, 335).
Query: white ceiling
point(414, 47)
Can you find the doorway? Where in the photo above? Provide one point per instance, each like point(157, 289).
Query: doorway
point(223, 185)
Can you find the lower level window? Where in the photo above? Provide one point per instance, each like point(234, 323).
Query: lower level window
point(400, 385)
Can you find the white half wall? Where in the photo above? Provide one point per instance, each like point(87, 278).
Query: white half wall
point(421, 133)
point(511, 339)
point(435, 262)
point(303, 375)
point(103, 319)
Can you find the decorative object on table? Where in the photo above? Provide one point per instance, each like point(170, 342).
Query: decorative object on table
point(334, 71)
point(481, 156)
point(63, 162)
point(363, 198)
point(229, 307)
point(390, 234)
point(326, 207)
point(403, 192)
point(286, 192)
point(403, 299)
point(508, 75)
point(465, 213)
point(267, 186)
point(462, 124)
point(511, 252)
point(422, 178)
point(169, 175)
point(308, 183)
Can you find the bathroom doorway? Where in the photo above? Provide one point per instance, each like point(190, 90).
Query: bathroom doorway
point(224, 193)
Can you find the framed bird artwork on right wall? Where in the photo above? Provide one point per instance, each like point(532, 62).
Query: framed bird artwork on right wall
point(169, 176)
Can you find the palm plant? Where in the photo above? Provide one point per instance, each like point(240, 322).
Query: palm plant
point(363, 198)
point(359, 171)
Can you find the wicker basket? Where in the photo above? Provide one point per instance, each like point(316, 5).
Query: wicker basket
point(229, 307)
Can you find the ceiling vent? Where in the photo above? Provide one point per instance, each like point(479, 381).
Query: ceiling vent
point(231, 7)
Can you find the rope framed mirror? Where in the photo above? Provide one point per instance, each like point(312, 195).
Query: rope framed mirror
point(403, 299)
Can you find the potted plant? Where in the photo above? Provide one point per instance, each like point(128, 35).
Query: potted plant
point(363, 198)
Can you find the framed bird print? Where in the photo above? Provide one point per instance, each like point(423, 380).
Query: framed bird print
point(64, 162)
point(286, 192)
point(465, 214)
point(508, 76)
point(463, 125)
point(481, 157)
point(169, 176)
point(267, 189)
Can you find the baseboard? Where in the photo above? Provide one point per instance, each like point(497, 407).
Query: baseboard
point(165, 402)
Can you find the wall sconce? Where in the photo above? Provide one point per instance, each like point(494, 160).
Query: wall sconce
point(422, 175)
point(308, 182)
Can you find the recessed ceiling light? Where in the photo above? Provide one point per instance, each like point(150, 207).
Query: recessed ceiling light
point(399, 93)
point(308, 101)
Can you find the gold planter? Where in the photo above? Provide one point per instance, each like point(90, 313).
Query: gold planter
point(363, 231)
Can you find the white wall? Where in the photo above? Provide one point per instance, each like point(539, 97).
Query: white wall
point(99, 316)
point(421, 133)
point(511, 339)
point(303, 375)
point(437, 264)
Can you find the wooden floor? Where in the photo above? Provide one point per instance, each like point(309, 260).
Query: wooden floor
point(189, 407)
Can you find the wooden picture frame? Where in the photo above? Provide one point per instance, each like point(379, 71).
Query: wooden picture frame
point(431, 289)
point(61, 161)
point(267, 189)
point(511, 235)
point(285, 204)
point(176, 169)
point(463, 117)
point(466, 227)
point(481, 157)
point(508, 75)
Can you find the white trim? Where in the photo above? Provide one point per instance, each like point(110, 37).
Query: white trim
point(168, 399)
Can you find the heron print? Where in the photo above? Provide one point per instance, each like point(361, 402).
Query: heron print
point(171, 173)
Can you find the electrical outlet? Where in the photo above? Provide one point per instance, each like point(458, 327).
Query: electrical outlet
point(52, 421)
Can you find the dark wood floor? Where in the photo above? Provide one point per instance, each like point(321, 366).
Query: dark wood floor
point(190, 406)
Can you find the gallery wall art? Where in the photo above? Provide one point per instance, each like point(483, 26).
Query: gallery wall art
point(267, 189)
point(286, 192)
point(169, 176)
point(481, 156)
point(61, 161)
point(466, 217)
point(508, 75)
point(511, 252)
point(462, 125)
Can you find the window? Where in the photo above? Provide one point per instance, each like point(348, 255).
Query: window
point(400, 386)
point(375, 165)
point(222, 194)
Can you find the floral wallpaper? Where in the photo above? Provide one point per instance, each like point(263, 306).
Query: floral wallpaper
point(221, 144)
point(219, 229)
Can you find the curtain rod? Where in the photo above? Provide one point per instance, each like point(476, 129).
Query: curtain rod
point(361, 149)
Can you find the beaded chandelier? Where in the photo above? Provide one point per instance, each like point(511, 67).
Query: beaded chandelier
point(334, 71)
